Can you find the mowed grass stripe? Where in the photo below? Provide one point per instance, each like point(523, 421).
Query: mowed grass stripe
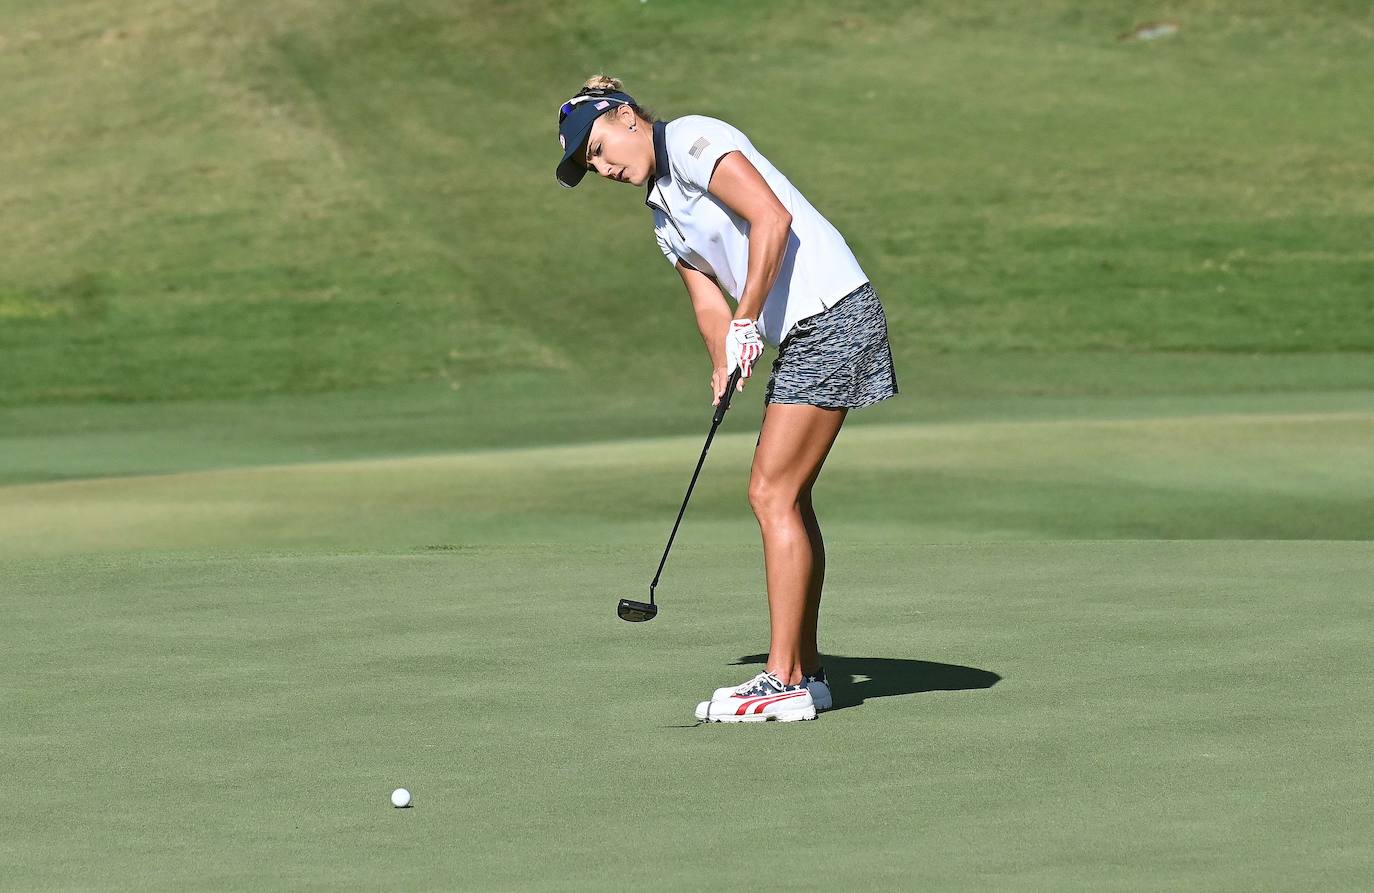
point(1285, 476)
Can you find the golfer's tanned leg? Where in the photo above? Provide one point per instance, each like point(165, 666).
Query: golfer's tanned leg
point(792, 446)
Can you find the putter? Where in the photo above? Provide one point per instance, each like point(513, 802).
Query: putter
point(638, 612)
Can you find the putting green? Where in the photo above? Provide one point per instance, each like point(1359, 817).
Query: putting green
point(1094, 715)
point(214, 679)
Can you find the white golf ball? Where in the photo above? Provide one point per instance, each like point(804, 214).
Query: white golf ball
point(400, 798)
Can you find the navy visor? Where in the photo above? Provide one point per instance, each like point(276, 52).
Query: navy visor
point(575, 120)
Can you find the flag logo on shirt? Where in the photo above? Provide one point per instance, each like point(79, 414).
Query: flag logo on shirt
point(698, 147)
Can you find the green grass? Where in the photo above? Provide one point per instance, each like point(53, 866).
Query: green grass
point(320, 471)
point(359, 195)
point(1164, 716)
point(1241, 473)
point(60, 441)
point(1113, 651)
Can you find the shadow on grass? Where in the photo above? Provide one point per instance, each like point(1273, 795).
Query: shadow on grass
point(854, 680)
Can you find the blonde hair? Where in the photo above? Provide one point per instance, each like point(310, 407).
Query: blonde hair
point(606, 82)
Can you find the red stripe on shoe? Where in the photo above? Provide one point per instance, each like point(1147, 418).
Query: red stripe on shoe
point(759, 708)
point(756, 705)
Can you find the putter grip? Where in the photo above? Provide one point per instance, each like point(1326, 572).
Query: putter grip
point(724, 403)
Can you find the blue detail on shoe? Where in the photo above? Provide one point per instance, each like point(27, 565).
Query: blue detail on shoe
point(768, 684)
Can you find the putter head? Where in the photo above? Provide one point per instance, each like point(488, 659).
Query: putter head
point(635, 612)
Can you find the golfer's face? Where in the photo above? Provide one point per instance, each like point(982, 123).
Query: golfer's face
point(616, 153)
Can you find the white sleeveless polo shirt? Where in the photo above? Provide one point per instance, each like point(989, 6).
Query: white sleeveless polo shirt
point(694, 226)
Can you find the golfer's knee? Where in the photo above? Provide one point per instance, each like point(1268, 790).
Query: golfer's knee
point(771, 500)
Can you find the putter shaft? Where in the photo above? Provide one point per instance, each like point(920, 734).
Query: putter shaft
point(721, 407)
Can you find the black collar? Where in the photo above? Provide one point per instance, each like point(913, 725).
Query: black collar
point(661, 168)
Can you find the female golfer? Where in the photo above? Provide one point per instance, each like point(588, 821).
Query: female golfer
point(730, 222)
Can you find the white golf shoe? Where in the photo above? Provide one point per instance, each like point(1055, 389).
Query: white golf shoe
point(762, 698)
point(815, 683)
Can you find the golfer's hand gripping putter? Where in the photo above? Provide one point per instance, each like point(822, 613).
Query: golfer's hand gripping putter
point(637, 612)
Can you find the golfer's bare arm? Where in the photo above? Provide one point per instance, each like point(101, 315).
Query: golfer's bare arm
point(742, 188)
point(737, 183)
point(711, 308)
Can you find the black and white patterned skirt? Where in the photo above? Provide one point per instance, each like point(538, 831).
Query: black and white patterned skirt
point(839, 357)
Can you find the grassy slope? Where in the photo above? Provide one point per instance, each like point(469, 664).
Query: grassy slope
point(205, 202)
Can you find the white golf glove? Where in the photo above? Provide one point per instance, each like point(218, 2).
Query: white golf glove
point(743, 345)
